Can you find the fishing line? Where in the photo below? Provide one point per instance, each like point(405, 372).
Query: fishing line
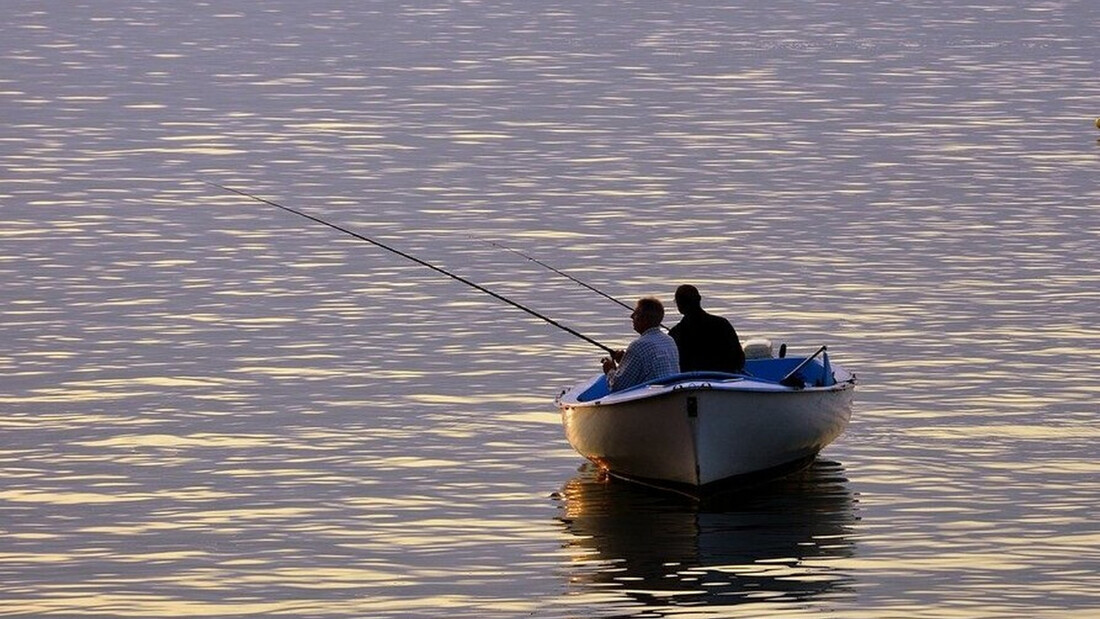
point(419, 261)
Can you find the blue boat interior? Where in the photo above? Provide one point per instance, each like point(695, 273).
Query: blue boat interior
point(817, 373)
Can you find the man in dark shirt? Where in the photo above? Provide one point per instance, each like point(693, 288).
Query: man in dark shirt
point(706, 342)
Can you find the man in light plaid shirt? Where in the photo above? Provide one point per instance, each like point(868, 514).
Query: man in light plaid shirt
point(653, 355)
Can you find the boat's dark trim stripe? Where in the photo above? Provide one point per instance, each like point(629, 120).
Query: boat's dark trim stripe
point(737, 483)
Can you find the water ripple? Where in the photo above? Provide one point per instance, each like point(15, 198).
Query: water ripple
point(211, 407)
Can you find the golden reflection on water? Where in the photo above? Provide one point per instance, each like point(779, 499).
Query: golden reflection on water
point(212, 409)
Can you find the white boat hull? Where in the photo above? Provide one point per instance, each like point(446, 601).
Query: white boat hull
point(696, 433)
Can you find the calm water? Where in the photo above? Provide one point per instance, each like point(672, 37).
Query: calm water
point(210, 407)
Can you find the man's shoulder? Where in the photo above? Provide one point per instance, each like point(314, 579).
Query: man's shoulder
point(654, 337)
point(719, 321)
point(665, 338)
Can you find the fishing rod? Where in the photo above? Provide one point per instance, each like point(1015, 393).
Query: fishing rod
point(416, 260)
point(570, 277)
point(562, 273)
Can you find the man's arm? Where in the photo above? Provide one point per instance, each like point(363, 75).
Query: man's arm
point(629, 371)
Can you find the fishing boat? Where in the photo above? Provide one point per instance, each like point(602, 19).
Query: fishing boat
point(698, 429)
point(702, 431)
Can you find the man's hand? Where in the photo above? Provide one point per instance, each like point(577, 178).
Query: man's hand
point(608, 364)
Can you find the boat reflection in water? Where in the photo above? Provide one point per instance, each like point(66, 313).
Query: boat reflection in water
point(773, 546)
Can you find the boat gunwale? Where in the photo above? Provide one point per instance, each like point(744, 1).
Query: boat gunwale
point(679, 384)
